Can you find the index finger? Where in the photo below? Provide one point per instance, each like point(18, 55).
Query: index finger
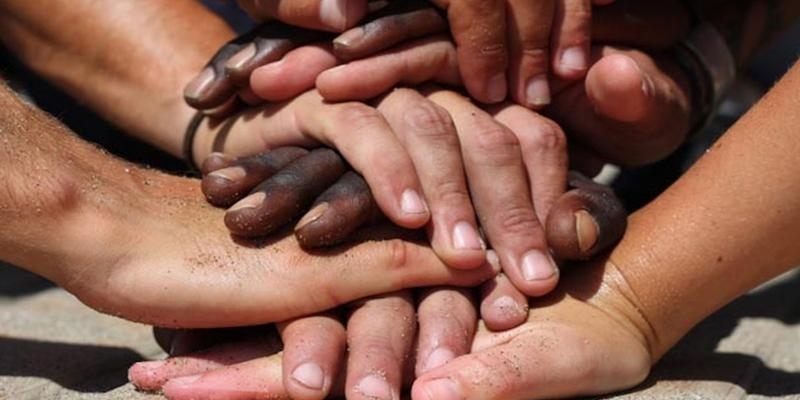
point(479, 30)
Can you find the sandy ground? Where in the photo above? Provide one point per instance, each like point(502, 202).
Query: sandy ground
point(53, 347)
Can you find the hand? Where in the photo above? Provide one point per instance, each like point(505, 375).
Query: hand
point(501, 44)
point(381, 337)
point(247, 65)
point(632, 109)
point(162, 245)
point(586, 338)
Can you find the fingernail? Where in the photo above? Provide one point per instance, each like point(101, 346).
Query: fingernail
point(587, 230)
point(312, 215)
point(199, 84)
point(241, 57)
point(182, 382)
point(441, 389)
point(574, 58)
point(536, 266)
point(506, 305)
point(537, 92)
point(333, 13)
point(229, 174)
point(252, 201)
point(465, 237)
point(411, 203)
point(348, 38)
point(309, 375)
point(438, 357)
point(375, 387)
point(497, 88)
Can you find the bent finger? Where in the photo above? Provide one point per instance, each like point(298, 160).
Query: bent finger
point(479, 29)
point(380, 333)
point(428, 133)
point(447, 323)
point(312, 355)
point(586, 220)
point(503, 306)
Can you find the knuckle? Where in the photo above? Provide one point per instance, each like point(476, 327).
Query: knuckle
point(428, 120)
point(375, 346)
point(496, 144)
point(398, 253)
point(451, 192)
point(543, 136)
point(358, 116)
point(517, 220)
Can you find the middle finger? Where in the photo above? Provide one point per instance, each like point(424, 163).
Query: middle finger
point(501, 195)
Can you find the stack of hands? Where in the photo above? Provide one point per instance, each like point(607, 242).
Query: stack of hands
point(399, 189)
point(487, 178)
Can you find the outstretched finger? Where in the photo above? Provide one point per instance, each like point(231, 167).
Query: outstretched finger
point(337, 213)
point(286, 194)
point(387, 31)
point(152, 375)
point(224, 187)
point(430, 59)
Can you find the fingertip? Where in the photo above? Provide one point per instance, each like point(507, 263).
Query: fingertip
point(503, 306)
point(535, 274)
point(144, 375)
point(216, 161)
point(619, 89)
point(585, 222)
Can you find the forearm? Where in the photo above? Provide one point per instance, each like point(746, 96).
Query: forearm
point(126, 59)
point(46, 183)
point(731, 223)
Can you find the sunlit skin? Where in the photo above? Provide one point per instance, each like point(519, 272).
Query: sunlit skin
point(609, 321)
